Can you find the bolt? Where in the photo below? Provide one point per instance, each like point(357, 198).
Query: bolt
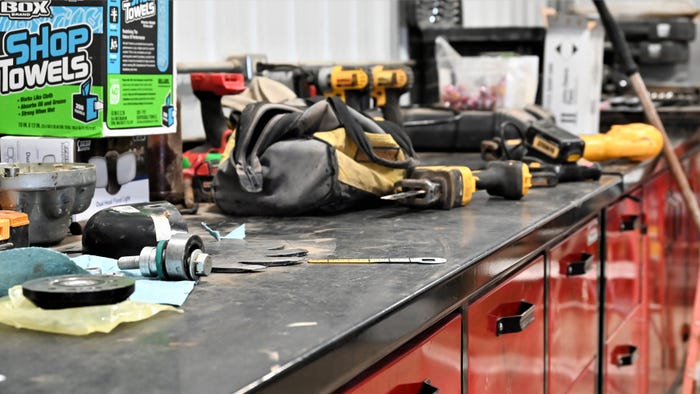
point(202, 263)
point(145, 262)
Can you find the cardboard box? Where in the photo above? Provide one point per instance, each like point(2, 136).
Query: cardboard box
point(121, 164)
point(86, 68)
point(37, 150)
point(573, 72)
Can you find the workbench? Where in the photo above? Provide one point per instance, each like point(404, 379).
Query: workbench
point(319, 328)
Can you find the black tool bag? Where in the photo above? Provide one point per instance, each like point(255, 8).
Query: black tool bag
point(327, 157)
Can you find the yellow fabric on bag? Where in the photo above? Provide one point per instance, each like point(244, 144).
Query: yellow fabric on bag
point(17, 311)
point(230, 144)
point(356, 170)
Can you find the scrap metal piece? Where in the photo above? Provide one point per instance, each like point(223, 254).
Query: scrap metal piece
point(380, 260)
point(49, 193)
point(71, 291)
point(214, 233)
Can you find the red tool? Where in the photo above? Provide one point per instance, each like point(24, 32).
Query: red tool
point(201, 162)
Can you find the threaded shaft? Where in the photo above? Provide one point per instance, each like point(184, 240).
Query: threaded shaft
point(128, 262)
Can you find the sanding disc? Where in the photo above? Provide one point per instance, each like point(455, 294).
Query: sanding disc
point(70, 291)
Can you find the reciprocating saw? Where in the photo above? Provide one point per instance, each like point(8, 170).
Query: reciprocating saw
point(448, 187)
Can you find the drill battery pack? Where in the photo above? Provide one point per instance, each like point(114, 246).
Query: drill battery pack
point(14, 229)
point(552, 143)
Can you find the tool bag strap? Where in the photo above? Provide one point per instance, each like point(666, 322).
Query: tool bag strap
point(354, 130)
point(256, 132)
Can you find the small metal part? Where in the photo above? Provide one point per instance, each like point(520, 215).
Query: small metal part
point(403, 195)
point(181, 257)
point(49, 193)
point(70, 291)
point(214, 233)
point(94, 270)
point(392, 260)
point(11, 171)
point(237, 268)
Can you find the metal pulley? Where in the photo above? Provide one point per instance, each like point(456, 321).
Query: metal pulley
point(71, 291)
point(181, 257)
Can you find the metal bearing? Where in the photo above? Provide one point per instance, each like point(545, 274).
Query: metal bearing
point(177, 255)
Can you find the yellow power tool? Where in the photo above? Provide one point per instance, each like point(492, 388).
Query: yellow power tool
point(388, 84)
point(14, 229)
point(351, 84)
point(448, 187)
point(634, 141)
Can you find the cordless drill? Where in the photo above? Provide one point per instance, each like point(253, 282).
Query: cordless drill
point(200, 163)
point(351, 84)
point(448, 187)
point(388, 84)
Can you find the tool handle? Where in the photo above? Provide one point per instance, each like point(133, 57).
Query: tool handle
point(213, 117)
point(506, 179)
point(578, 172)
point(617, 37)
point(391, 110)
point(355, 100)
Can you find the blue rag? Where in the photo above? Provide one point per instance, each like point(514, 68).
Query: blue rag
point(147, 290)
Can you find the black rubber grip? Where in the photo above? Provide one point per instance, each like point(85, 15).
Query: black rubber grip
point(617, 37)
point(501, 178)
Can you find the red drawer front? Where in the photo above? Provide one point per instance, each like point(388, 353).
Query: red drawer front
point(436, 359)
point(573, 323)
point(623, 362)
point(586, 382)
point(667, 259)
point(623, 262)
point(506, 336)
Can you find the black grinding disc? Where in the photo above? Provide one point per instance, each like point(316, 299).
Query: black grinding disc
point(70, 291)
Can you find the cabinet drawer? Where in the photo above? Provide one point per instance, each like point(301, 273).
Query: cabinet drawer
point(623, 364)
point(623, 262)
point(506, 335)
point(573, 306)
point(434, 361)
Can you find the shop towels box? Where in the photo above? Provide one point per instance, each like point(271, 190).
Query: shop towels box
point(573, 72)
point(86, 68)
point(120, 162)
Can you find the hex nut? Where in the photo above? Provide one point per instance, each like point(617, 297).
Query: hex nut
point(202, 263)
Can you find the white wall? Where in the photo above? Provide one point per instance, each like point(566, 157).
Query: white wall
point(287, 30)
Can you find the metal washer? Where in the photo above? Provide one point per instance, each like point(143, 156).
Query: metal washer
point(71, 291)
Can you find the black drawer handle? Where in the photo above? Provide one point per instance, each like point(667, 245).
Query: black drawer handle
point(427, 388)
point(576, 264)
point(629, 222)
point(512, 317)
point(624, 355)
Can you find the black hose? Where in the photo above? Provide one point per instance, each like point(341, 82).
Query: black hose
point(617, 37)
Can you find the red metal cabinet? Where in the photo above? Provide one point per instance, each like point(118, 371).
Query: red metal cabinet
point(623, 262)
point(586, 382)
point(623, 359)
point(668, 281)
point(573, 306)
point(506, 336)
point(434, 361)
